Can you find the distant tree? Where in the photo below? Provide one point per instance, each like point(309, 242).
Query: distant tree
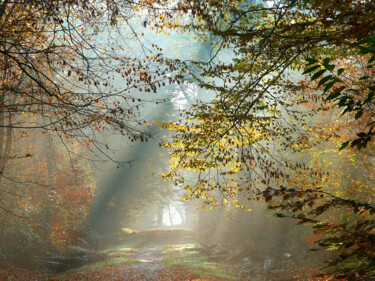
point(46, 195)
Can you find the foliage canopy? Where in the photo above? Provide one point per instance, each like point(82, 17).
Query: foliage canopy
point(264, 130)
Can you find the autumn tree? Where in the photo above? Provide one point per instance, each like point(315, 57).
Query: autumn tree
point(253, 135)
point(60, 63)
point(70, 72)
point(46, 197)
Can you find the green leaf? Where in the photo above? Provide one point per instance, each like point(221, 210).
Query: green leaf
point(318, 74)
point(279, 215)
point(329, 86)
point(347, 109)
point(369, 97)
point(345, 144)
point(311, 61)
point(365, 51)
point(358, 114)
point(323, 80)
point(311, 69)
point(364, 77)
point(343, 100)
point(365, 40)
point(330, 67)
point(340, 71)
point(326, 61)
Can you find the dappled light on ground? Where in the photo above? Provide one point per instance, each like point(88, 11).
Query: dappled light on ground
point(161, 254)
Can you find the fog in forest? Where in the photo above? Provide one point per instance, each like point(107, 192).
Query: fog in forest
point(175, 140)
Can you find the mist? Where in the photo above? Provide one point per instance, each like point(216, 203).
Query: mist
point(200, 140)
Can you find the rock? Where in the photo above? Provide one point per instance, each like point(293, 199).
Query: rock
point(246, 260)
point(268, 263)
point(287, 255)
point(60, 264)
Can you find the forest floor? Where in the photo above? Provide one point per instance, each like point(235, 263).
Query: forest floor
point(163, 255)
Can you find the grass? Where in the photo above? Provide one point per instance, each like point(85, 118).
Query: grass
point(170, 249)
point(114, 261)
point(118, 256)
point(178, 251)
point(124, 249)
point(184, 256)
point(167, 235)
point(119, 260)
point(127, 230)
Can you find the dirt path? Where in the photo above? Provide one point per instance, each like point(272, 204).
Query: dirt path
point(155, 255)
point(149, 266)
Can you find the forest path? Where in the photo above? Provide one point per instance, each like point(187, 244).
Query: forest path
point(149, 265)
point(161, 255)
point(151, 255)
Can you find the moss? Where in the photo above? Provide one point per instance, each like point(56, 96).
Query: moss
point(118, 260)
point(127, 230)
point(193, 262)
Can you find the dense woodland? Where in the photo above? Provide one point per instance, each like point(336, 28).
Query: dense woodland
point(187, 140)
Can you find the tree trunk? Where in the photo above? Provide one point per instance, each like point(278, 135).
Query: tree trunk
point(47, 214)
point(160, 215)
point(170, 214)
